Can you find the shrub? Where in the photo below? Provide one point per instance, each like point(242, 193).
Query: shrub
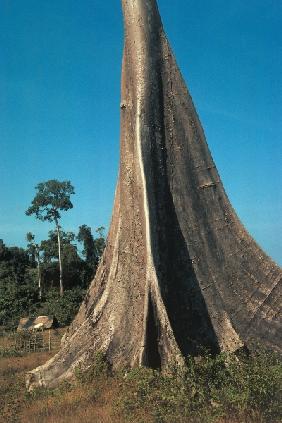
point(9, 352)
point(100, 369)
point(16, 301)
point(63, 308)
point(206, 389)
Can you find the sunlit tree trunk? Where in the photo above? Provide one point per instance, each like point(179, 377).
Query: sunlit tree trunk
point(179, 273)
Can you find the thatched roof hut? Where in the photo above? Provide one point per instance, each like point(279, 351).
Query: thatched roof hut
point(40, 322)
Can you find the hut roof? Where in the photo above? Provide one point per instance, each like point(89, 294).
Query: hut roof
point(29, 323)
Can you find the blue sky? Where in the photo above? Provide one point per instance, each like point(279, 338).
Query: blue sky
point(60, 65)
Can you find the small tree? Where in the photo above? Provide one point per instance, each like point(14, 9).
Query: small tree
point(34, 250)
point(89, 252)
point(51, 198)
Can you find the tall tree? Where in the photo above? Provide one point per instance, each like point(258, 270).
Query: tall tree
point(49, 246)
point(179, 272)
point(34, 249)
point(77, 272)
point(52, 197)
point(93, 248)
point(89, 251)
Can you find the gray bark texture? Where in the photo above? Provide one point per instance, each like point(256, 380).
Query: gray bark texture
point(179, 271)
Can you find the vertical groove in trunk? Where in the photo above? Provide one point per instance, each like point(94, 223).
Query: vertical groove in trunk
point(179, 272)
point(152, 355)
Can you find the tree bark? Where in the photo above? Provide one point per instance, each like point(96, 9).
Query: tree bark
point(179, 272)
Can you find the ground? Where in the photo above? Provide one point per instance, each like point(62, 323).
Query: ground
point(77, 405)
point(209, 391)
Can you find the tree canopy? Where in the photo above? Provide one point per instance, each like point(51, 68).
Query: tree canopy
point(51, 198)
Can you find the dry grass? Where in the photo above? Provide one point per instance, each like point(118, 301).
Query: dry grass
point(9, 340)
point(76, 405)
point(66, 405)
point(94, 398)
point(12, 392)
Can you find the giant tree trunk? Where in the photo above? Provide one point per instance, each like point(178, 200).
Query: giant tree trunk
point(179, 271)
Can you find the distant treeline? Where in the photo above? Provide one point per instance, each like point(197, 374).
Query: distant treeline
point(29, 277)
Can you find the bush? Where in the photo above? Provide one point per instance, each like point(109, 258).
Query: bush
point(63, 308)
point(17, 301)
point(100, 369)
point(206, 389)
point(9, 352)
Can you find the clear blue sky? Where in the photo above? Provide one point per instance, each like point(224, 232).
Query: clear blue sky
point(60, 63)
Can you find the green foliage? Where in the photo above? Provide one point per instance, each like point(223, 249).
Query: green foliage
point(16, 301)
point(33, 249)
point(13, 263)
point(9, 352)
point(18, 291)
point(51, 197)
point(206, 389)
point(42, 392)
point(76, 271)
point(19, 294)
point(49, 247)
point(92, 247)
point(30, 279)
point(100, 242)
point(85, 236)
point(63, 308)
point(99, 369)
point(227, 387)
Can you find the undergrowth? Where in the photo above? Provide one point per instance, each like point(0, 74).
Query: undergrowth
point(226, 388)
point(208, 389)
point(9, 352)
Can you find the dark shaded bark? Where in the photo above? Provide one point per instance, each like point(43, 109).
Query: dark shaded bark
point(180, 272)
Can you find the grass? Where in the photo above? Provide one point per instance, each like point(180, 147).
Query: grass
point(221, 389)
point(9, 340)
